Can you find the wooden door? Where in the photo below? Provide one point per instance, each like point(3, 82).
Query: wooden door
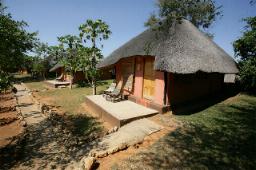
point(127, 74)
point(149, 79)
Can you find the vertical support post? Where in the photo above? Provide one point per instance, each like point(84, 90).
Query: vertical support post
point(165, 87)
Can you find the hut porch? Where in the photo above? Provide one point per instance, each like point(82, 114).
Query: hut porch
point(56, 84)
point(117, 114)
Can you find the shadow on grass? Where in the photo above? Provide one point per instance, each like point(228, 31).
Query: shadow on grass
point(28, 78)
point(226, 139)
point(203, 103)
point(86, 84)
point(57, 141)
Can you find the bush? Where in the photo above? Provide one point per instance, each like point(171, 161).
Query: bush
point(82, 83)
point(248, 75)
point(5, 81)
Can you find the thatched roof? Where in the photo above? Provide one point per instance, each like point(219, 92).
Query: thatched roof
point(57, 66)
point(183, 50)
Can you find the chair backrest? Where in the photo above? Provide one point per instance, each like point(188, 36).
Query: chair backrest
point(117, 89)
point(112, 85)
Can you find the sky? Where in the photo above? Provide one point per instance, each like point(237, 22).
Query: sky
point(53, 18)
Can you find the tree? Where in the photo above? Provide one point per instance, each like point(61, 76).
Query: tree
point(245, 51)
point(69, 46)
point(15, 41)
point(252, 2)
point(5, 81)
point(38, 67)
point(94, 31)
point(54, 53)
point(85, 59)
point(1, 7)
point(202, 13)
point(27, 63)
point(42, 52)
point(247, 75)
point(245, 46)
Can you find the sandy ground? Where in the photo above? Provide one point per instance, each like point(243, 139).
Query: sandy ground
point(10, 124)
point(164, 120)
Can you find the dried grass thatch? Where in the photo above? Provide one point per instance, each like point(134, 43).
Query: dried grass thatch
point(57, 66)
point(183, 50)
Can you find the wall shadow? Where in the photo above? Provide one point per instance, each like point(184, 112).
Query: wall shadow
point(197, 105)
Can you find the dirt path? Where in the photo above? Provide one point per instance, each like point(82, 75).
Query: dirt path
point(49, 142)
point(29, 109)
point(128, 135)
point(10, 125)
point(165, 120)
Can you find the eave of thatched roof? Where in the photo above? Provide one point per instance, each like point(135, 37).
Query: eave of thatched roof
point(57, 66)
point(183, 50)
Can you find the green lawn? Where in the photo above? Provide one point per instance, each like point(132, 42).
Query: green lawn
point(37, 86)
point(220, 137)
point(69, 100)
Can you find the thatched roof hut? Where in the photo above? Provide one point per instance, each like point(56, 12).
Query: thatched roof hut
point(183, 50)
point(56, 67)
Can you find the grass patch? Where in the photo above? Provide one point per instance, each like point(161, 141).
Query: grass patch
point(220, 137)
point(69, 100)
point(37, 86)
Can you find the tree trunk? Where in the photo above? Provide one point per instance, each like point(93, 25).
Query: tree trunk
point(94, 66)
point(71, 80)
point(94, 87)
point(43, 75)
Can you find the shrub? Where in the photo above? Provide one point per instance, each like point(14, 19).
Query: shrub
point(82, 83)
point(5, 81)
point(248, 75)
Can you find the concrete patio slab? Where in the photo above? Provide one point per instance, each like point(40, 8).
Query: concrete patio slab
point(118, 113)
point(128, 135)
point(56, 84)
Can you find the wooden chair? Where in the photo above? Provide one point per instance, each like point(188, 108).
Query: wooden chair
point(60, 78)
point(110, 89)
point(115, 95)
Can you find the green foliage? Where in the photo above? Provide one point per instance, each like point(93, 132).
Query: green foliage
point(245, 50)
point(37, 66)
point(95, 31)
point(15, 41)
point(70, 45)
point(202, 13)
point(82, 83)
point(54, 53)
point(5, 81)
point(245, 46)
point(86, 63)
point(27, 63)
point(41, 61)
point(248, 74)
